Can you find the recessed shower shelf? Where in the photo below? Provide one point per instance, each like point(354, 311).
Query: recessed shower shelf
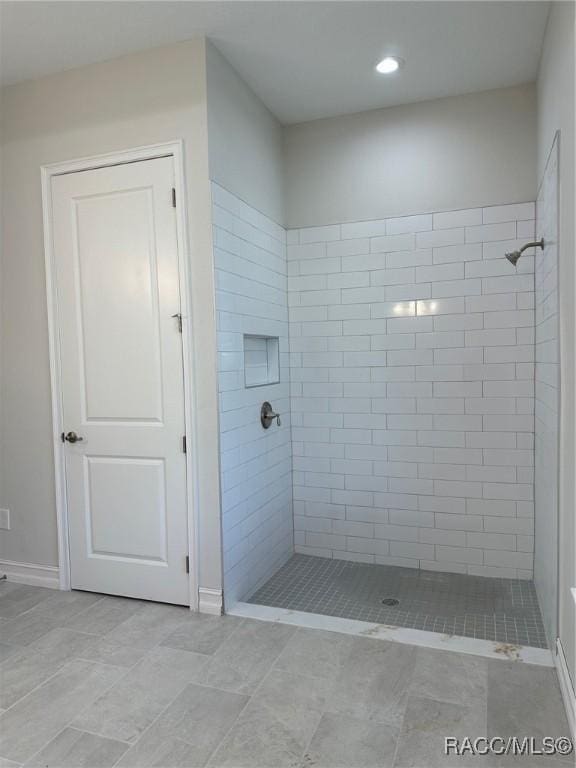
point(261, 360)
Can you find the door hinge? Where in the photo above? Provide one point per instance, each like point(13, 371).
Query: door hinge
point(184, 444)
point(187, 563)
point(173, 197)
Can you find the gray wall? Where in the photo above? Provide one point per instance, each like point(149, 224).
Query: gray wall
point(145, 98)
point(556, 112)
point(458, 152)
point(245, 140)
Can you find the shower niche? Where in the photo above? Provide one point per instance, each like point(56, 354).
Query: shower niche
point(261, 360)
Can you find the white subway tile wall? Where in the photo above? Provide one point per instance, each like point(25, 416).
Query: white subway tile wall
point(547, 405)
point(412, 391)
point(256, 464)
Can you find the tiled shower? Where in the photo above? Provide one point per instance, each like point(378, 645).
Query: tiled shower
point(404, 463)
point(412, 351)
point(255, 464)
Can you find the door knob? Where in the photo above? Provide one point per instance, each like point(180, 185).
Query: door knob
point(71, 437)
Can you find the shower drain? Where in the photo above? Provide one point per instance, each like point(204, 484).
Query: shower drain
point(390, 601)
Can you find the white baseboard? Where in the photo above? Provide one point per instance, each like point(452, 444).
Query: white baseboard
point(566, 686)
point(29, 573)
point(210, 601)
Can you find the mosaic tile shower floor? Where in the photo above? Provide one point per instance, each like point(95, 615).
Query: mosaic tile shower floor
point(505, 610)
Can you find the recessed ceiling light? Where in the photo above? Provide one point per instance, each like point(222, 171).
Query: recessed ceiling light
point(388, 65)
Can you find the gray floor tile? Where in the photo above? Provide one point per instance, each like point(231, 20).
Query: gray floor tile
point(525, 700)
point(373, 682)
point(23, 672)
point(173, 754)
point(104, 616)
point(427, 723)
point(151, 624)
point(61, 606)
point(76, 749)
point(202, 634)
point(342, 742)
point(452, 677)
point(8, 586)
point(245, 657)
point(189, 731)
point(317, 698)
point(38, 717)
point(19, 598)
point(8, 763)
point(7, 650)
point(107, 652)
point(129, 707)
point(315, 653)
point(277, 724)
point(26, 628)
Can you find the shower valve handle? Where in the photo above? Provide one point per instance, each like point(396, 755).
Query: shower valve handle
point(267, 415)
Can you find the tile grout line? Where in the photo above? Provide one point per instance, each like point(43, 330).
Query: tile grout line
point(34, 607)
point(68, 723)
point(79, 730)
point(209, 658)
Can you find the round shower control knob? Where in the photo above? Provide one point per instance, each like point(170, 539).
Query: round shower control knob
point(267, 415)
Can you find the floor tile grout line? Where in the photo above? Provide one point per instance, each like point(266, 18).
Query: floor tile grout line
point(36, 687)
point(95, 733)
point(147, 653)
point(209, 657)
point(22, 613)
point(255, 691)
point(309, 742)
point(297, 631)
point(142, 605)
point(273, 668)
point(30, 649)
point(68, 722)
point(134, 743)
point(197, 684)
point(223, 739)
point(65, 664)
point(399, 734)
point(34, 607)
point(78, 730)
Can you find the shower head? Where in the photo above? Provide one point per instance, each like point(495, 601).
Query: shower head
point(513, 256)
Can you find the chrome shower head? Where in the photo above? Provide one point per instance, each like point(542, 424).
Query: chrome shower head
point(513, 256)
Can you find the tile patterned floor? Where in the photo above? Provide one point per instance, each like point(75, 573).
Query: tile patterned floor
point(505, 610)
point(96, 682)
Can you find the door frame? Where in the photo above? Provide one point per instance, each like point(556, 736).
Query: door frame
point(175, 150)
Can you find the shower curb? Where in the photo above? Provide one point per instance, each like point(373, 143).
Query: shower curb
point(487, 648)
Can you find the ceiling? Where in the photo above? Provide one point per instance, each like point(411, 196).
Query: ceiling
point(305, 60)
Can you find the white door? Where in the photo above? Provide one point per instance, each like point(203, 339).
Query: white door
point(116, 259)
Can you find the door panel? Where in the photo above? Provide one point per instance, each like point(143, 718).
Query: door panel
point(116, 488)
point(118, 290)
point(122, 379)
